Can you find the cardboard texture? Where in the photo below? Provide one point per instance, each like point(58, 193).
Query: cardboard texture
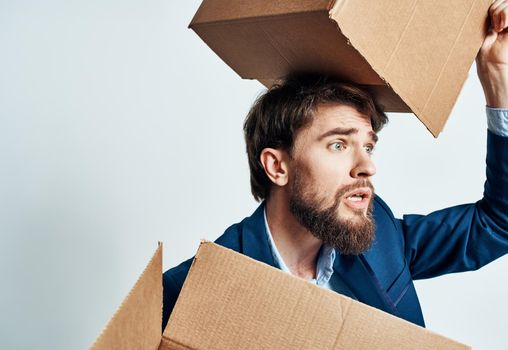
point(412, 55)
point(137, 322)
point(230, 301)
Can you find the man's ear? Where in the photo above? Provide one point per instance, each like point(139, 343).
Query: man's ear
point(275, 163)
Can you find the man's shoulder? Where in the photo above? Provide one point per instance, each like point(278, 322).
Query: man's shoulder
point(174, 278)
point(383, 215)
point(380, 204)
point(231, 238)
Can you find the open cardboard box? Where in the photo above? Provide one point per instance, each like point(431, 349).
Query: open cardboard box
point(230, 301)
point(412, 55)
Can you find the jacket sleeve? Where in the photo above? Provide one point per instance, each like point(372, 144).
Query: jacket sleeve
point(169, 295)
point(464, 237)
point(172, 282)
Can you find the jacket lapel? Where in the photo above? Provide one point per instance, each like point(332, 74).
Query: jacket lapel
point(357, 274)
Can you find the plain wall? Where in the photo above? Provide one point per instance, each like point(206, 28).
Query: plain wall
point(119, 127)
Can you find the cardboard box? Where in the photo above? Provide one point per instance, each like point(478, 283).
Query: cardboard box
point(230, 301)
point(137, 323)
point(413, 55)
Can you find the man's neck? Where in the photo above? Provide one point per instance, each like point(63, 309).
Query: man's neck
point(297, 246)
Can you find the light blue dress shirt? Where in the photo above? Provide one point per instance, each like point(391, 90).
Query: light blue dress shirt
point(497, 122)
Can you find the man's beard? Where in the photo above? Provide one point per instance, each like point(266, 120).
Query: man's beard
point(350, 236)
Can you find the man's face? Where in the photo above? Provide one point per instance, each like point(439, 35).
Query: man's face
point(329, 188)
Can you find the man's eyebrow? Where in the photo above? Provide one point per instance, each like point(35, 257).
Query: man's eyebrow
point(338, 131)
point(346, 132)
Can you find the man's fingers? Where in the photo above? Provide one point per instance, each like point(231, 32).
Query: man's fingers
point(494, 6)
point(499, 17)
point(494, 19)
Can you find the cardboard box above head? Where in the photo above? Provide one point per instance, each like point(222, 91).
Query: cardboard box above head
point(412, 55)
point(230, 301)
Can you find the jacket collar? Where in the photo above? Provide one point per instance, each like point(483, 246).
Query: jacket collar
point(255, 238)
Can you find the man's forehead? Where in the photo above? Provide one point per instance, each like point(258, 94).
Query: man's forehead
point(327, 117)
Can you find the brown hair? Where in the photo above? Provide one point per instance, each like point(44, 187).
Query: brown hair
point(279, 113)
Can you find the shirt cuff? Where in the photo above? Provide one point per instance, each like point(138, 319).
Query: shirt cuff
point(497, 120)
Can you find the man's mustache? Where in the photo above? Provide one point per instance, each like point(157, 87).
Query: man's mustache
point(355, 185)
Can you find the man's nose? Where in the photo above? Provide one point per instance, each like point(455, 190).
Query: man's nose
point(363, 166)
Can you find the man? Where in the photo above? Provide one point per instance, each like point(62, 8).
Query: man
point(309, 144)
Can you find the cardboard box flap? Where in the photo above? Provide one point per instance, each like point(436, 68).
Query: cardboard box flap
point(229, 300)
point(137, 322)
point(223, 10)
point(423, 49)
point(365, 329)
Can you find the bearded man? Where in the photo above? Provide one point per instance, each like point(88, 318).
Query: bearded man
point(309, 144)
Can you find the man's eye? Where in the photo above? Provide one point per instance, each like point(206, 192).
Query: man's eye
point(369, 149)
point(338, 146)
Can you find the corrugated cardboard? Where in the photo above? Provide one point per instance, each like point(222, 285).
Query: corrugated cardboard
point(230, 301)
point(413, 55)
point(137, 323)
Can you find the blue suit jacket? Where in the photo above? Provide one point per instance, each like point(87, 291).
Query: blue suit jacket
point(455, 239)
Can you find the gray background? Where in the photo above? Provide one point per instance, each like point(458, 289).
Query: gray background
point(119, 127)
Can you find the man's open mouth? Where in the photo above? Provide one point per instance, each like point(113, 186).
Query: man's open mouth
point(358, 198)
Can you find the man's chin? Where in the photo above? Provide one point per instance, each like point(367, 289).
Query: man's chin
point(352, 214)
